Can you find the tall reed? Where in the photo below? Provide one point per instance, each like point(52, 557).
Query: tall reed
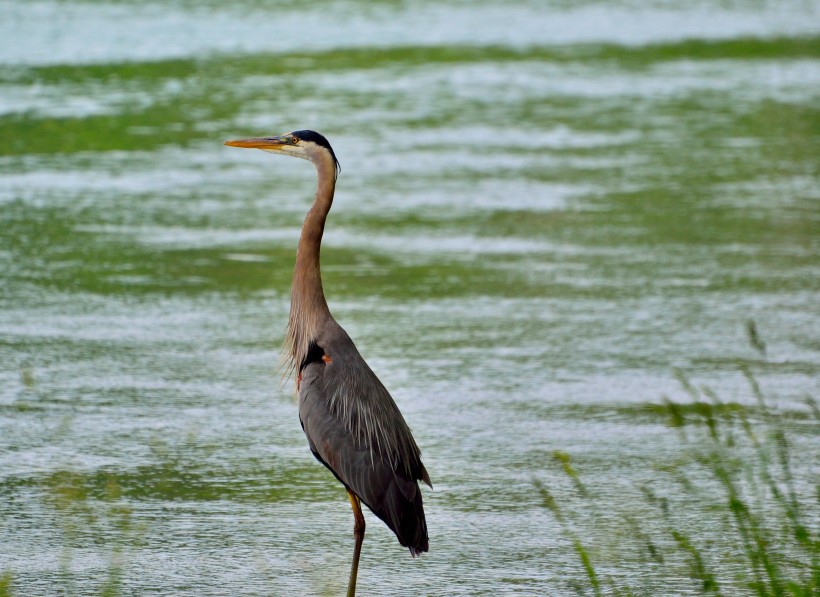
point(756, 527)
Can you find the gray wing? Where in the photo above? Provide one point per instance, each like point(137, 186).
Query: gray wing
point(356, 430)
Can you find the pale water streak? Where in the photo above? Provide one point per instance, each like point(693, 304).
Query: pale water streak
point(49, 32)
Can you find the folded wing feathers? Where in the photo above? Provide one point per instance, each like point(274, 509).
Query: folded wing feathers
point(371, 416)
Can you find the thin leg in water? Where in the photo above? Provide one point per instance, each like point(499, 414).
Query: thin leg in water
point(358, 531)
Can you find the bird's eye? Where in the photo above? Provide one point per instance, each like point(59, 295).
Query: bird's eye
point(294, 140)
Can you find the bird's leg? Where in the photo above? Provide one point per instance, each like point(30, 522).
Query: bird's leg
point(358, 525)
point(358, 532)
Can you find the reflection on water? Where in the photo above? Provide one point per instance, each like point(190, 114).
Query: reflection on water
point(539, 217)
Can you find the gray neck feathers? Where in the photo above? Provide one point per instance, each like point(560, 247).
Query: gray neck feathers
point(308, 307)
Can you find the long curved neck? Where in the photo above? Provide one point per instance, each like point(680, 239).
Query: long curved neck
point(308, 307)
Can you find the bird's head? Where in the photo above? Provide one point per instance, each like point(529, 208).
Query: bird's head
point(308, 145)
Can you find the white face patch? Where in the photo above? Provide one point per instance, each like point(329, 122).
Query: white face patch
point(297, 151)
point(321, 156)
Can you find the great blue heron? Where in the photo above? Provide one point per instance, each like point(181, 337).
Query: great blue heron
point(352, 424)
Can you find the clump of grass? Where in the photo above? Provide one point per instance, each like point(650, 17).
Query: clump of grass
point(736, 518)
point(550, 502)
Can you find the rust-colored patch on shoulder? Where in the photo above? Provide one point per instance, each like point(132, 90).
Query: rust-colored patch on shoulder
point(326, 358)
point(329, 455)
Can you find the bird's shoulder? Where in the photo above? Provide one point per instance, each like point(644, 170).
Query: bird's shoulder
point(344, 364)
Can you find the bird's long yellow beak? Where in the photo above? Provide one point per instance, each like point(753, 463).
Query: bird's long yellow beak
point(269, 143)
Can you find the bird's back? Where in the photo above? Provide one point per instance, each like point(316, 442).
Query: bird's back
point(354, 428)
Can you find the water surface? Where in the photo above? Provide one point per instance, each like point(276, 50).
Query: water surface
point(543, 210)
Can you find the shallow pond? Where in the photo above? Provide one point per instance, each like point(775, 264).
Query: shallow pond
point(550, 216)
